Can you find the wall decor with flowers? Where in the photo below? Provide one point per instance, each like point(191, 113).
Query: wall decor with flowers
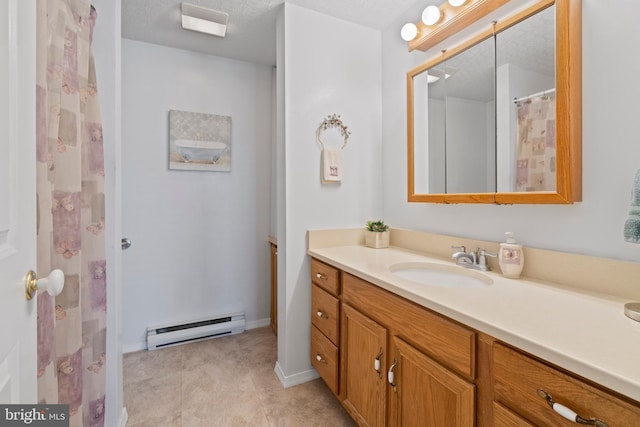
point(331, 169)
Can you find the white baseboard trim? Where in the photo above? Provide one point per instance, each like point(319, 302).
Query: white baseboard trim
point(295, 379)
point(124, 417)
point(254, 324)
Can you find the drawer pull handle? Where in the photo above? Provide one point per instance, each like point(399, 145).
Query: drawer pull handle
point(321, 315)
point(321, 276)
point(319, 358)
point(390, 374)
point(569, 413)
point(376, 363)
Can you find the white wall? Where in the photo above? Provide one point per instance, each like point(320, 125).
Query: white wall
point(106, 48)
point(199, 238)
point(466, 145)
point(331, 66)
point(611, 153)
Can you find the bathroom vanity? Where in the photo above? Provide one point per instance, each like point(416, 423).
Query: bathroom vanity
point(401, 353)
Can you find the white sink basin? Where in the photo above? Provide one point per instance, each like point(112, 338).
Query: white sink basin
point(448, 276)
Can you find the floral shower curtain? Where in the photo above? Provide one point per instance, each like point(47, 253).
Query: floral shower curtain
point(536, 155)
point(70, 197)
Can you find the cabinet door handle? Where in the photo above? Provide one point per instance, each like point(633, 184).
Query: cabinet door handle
point(321, 314)
point(321, 276)
point(376, 363)
point(390, 374)
point(319, 358)
point(568, 413)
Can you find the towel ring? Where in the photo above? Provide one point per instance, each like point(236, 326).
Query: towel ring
point(333, 121)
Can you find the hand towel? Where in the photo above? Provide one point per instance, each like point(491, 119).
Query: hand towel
point(632, 224)
point(331, 165)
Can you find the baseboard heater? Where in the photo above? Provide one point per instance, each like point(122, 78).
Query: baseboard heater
point(195, 330)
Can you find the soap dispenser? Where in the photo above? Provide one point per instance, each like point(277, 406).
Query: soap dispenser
point(511, 257)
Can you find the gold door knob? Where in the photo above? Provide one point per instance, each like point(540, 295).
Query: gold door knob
point(54, 283)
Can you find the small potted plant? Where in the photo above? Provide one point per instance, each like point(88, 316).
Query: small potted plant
point(377, 234)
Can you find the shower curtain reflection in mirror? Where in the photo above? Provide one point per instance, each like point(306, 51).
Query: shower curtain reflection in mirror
point(536, 143)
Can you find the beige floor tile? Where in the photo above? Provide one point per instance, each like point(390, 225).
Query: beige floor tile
point(154, 401)
point(226, 408)
point(310, 404)
point(143, 365)
point(223, 382)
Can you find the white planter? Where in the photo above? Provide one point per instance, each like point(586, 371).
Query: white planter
point(376, 239)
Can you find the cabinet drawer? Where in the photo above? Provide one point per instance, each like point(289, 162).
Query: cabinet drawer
point(449, 343)
point(502, 417)
point(325, 276)
point(325, 313)
point(324, 357)
point(517, 377)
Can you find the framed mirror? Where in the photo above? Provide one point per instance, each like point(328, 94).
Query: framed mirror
point(497, 119)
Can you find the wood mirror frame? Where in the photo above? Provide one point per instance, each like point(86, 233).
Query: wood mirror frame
point(568, 65)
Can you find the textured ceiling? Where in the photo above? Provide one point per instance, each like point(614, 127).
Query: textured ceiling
point(251, 33)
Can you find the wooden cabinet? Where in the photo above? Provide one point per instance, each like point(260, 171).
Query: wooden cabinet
point(325, 358)
point(426, 393)
point(325, 314)
point(364, 344)
point(445, 341)
point(503, 417)
point(443, 372)
point(325, 276)
point(274, 288)
point(325, 323)
point(428, 365)
point(518, 377)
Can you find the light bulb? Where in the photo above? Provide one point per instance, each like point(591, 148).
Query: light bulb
point(431, 15)
point(408, 32)
point(456, 3)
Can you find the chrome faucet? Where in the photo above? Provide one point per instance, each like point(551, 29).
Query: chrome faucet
point(462, 257)
point(476, 260)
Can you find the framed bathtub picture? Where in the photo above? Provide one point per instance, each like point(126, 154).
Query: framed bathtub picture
point(199, 141)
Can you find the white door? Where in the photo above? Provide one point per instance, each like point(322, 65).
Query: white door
point(17, 200)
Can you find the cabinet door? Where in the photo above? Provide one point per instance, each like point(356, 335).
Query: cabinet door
point(427, 394)
point(363, 340)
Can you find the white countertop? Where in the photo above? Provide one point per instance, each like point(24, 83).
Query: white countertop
point(583, 332)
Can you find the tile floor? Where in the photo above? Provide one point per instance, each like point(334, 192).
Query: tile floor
point(223, 382)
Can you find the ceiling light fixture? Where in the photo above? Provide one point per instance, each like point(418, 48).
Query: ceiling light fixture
point(431, 15)
point(203, 20)
point(456, 3)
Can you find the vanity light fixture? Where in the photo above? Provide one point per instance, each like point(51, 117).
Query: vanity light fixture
point(409, 31)
point(431, 15)
point(439, 23)
point(203, 20)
